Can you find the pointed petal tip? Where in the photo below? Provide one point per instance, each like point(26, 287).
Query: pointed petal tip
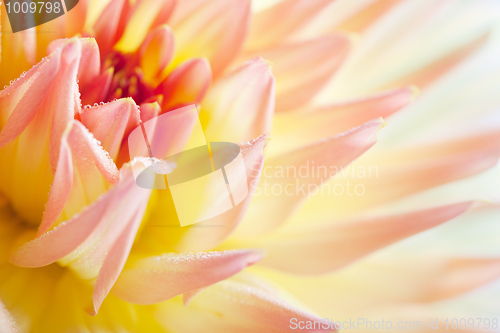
point(479, 204)
point(186, 84)
point(91, 310)
point(260, 142)
point(261, 62)
point(257, 63)
point(254, 256)
point(188, 297)
point(180, 274)
point(372, 126)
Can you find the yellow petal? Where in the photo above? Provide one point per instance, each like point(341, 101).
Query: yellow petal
point(212, 29)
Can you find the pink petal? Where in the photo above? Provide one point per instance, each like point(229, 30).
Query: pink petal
point(99, 90)
point(149, 111)
point(320, 250)
point(140, 18)
point(62, 63)
point(294, 14)
point(156, 52)
point(231, 306)
point(156, 279)
point(62, 240)
point(337, 151)
point(198, 238)
point(105, 29)
point(366, 16)
point(462, 275)
point(90, 61)
point(479, 139)
point(212, 29)
point(112, 122)
point(304, 126)
point(116, 258)
point(111, 236)
point(398, 180)
point(427, 75)
point(86, 239)
point(84, 172)
point(301, 69)
point(187, 84)
point(419, 279)
point(167, 134)
point(35, 111)
point(401, 279)
point(60, 190)
point(240, 106)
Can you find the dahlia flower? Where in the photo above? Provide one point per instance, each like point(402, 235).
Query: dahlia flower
point(340, 221)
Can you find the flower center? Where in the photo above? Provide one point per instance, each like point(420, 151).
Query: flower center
point(127, 78)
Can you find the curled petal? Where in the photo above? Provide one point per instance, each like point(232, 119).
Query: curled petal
point(111, 123)
point(96, 242)
point(232, 306)
point(186, 84)
point(59, 242)
point(149, 111)
point(35, 110)
point(90, 62)
point(85, 240)
point(156, 52)
point(240, 106)
point(84, 172)
point(105, 29)
point(167, 134)
point(320, 250)
point(212, 29)
point(156, 279)
point(338, 151)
